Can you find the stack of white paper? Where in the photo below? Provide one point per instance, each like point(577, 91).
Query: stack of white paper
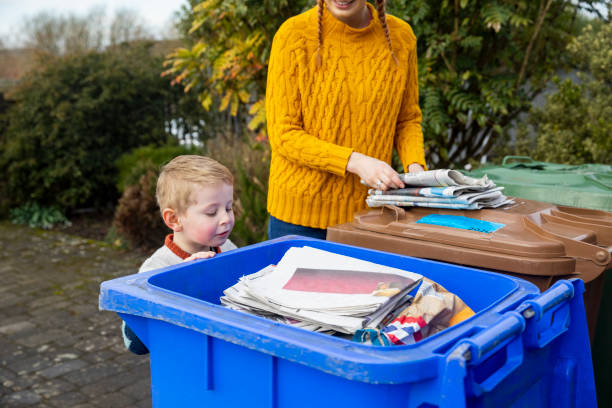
point(318, 290)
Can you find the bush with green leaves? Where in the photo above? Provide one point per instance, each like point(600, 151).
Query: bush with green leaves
point(133, 165)
point(37, 216)
point(575, 125)
point(71, 121)
point(228, 46)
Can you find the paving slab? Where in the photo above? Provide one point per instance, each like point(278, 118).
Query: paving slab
point(56, 348)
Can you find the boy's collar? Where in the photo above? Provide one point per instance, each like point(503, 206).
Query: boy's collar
point(175, 248)
point(178, 251)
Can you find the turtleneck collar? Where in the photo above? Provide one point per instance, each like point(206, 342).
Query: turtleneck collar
point(331, 24)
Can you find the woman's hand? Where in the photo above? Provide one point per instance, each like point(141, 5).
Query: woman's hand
point(415, 168)
point(200, 255)
point(375, 173)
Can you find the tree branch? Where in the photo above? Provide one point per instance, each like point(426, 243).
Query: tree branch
point(447, 63)
point(536, 31)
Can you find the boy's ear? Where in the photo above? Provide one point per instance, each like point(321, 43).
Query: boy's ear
point(171, 219)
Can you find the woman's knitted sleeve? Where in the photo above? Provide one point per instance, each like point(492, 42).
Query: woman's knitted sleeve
point(409, 136)
point(284, 110)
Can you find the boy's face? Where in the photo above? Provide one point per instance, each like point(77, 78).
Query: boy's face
point(209, 220)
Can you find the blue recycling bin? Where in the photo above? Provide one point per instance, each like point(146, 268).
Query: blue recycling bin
point(521, 348)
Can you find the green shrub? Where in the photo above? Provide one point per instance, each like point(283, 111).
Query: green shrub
point(133, 165)
point(37, 216)
point(574, 127)
point(73, 119)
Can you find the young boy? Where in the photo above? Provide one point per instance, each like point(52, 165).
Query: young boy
point(195, 197)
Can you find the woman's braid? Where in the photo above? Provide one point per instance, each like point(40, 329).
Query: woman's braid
point(320, 6)
point(382, 16)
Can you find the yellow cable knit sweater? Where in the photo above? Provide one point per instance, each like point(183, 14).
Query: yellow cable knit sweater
point(359, 100)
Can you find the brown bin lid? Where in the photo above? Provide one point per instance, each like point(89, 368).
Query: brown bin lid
point(537, 238)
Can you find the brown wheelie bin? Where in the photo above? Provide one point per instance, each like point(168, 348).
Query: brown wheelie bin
point(539, 242)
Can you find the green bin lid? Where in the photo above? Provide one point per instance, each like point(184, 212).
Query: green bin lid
point(582, 186)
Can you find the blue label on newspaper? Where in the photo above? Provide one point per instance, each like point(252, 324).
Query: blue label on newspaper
point(461, 222)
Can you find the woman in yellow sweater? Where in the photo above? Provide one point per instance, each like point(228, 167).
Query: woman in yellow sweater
point(341, 93)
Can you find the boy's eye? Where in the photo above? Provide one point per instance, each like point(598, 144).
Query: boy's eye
point(211, 213)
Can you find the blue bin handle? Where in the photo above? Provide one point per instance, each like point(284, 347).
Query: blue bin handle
point(522, 327)
point(556, 300)
point(504, 335)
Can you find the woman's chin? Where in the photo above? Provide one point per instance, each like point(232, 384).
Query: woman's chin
point(343, 5)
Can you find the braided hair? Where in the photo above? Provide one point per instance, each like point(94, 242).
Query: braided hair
point(320, 6)
point(382, 16)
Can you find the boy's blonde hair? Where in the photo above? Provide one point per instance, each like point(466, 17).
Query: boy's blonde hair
point(178, 178)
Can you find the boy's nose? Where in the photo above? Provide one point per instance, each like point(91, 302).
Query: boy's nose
point(225, 217)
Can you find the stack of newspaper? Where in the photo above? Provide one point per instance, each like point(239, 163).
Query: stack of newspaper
point(441, 189)
point(323, 291)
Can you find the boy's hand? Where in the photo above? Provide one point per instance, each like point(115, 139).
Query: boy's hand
point(200, 255)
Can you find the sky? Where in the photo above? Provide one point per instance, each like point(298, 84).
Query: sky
point(156, 14)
